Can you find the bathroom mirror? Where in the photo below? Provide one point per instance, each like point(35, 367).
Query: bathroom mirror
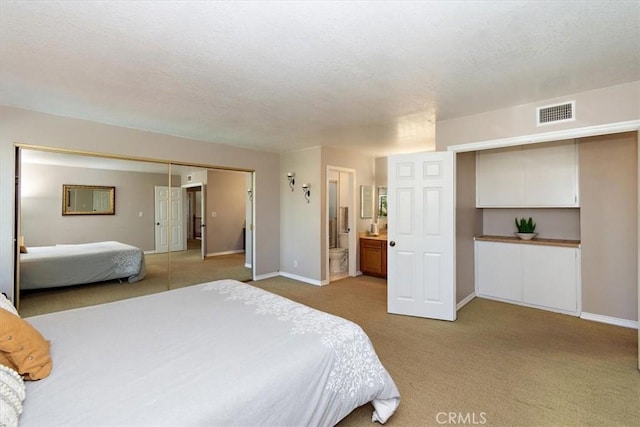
point(366, 201)
point(88, 200)
point(382, 202)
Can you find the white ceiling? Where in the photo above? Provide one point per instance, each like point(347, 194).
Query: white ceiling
point(277, 76)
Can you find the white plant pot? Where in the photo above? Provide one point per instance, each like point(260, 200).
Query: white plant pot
point(527, 236)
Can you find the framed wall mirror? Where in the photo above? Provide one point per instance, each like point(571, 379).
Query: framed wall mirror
point(366, 201)
point(88, 200)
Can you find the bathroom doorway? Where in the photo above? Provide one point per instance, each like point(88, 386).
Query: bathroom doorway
point(341, 223)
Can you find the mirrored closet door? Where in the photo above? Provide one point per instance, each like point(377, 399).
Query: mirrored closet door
point(179, 225)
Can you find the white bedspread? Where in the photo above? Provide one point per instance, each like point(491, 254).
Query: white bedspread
point(217, 354)
point(66, 265)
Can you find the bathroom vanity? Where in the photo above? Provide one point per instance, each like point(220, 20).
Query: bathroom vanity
point(373, 255)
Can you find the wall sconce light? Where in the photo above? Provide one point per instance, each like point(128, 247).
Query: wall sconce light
point(306, 190)
point(291, 179)
point(250, 193)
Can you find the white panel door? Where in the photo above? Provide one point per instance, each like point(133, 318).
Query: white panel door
point(162, 218)
point(421, 222)
point(170, 225)
point(177, 223)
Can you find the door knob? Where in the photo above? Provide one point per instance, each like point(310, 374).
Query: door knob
point(157, 223)
point(392, 243)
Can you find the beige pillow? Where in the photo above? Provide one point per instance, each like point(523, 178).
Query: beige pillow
point(23, 348)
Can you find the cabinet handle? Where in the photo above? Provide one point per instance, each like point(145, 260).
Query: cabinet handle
point(392, 243)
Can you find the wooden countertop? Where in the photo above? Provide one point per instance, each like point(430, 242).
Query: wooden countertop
point(534, 241)
point(366, 235)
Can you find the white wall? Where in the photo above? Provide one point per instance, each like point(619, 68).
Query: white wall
point(29, 127)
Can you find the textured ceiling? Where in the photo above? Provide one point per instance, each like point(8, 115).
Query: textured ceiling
point(277, 76)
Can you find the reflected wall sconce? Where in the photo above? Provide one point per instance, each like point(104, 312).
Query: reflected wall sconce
point(306, 190)
point(250, 193)
point(291, 178)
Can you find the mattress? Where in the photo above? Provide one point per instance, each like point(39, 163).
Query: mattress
point(67, 265)
point(219, 353)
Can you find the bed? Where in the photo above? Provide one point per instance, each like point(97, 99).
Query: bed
point(219, 353)
point(67, 265)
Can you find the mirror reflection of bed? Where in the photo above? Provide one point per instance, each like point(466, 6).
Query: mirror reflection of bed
point(218, 251)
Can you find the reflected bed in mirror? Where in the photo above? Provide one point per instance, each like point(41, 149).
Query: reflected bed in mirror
point(88, 200)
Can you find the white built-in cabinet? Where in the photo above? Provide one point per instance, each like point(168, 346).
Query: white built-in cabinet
point(546, 277)
point(535, 175)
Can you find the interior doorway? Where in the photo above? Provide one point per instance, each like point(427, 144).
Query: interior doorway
point(340, 224)
point(196, 218)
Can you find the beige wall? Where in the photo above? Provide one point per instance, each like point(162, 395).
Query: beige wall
point(301, 222)
point(468, 223)
point(28, 127)
point(597, 107)
point(609, 225)
point(226, 194)
point(381, 171)
point(601, 107)
point(550, 223)
point(44, 225)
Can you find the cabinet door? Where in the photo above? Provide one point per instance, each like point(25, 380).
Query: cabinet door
point(550, 277)
point(539, 175)
point(499, 270)
point(371, 255)
point(499, 178)
point(550, 175)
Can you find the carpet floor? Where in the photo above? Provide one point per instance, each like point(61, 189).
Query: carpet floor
point(498, 364)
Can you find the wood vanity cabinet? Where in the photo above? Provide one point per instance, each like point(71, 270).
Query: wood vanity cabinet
point(373, 257)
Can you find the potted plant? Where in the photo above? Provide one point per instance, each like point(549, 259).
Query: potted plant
point(526, 228)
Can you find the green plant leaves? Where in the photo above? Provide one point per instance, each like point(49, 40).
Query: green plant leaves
point(525, 226)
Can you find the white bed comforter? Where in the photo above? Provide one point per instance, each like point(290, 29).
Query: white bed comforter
point(217, 354)
point(66, 265)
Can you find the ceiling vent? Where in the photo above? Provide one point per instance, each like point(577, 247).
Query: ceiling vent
point(557, 113)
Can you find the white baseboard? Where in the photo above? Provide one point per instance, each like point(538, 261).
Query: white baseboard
point(247, 265)
point(301, 279)
point(267, 276)
point(238, 251)
point(466, 300)
point(150, 252)
point(625, 323)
